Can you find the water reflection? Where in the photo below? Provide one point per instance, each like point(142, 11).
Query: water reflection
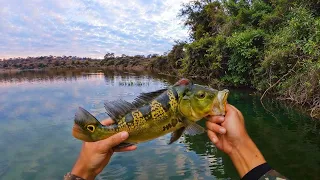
point(288, 139)
point(36, 116)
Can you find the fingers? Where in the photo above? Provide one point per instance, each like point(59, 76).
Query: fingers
point(107, 122)
point(129, 148)
point(213, 137)
point(231, 109)
point(215, 127)
point(234, 112)
point(112, 141)
point(216, 119)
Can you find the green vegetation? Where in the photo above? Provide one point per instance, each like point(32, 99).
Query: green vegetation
point(48, 62)
point(137, 62)
point(110, 61)
point(272, 46)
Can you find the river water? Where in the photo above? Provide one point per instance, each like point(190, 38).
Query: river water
point(36, 118)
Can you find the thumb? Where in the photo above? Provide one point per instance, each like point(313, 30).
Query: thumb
point(231, 110)
point(114, 140)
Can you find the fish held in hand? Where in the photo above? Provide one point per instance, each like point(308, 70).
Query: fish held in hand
point(174, 110)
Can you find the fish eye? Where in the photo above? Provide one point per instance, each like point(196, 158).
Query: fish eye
point(201, 95)
point(91, 128)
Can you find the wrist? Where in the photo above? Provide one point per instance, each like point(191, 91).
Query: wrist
point(81, 170)
point(246, 156)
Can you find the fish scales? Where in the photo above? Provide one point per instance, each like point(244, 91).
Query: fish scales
point(156, 115)
point(159, 116)
point(156, 110)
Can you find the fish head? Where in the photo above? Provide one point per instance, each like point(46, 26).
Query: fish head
point(86, 127)
point(200, 101)
point(85, 132)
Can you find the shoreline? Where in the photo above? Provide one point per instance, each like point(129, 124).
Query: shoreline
point(9, 70)
point(143, 69)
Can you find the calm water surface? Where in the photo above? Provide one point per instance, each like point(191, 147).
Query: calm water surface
point(36, 119)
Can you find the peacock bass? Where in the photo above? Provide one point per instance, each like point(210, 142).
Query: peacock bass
point(172, 110)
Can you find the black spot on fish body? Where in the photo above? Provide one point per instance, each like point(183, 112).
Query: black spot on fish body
point(168, 126)
point(164, 100)
point(175, 93)
point(128, 121)
point(129, 118)
point(146, 111)
point(165, 127)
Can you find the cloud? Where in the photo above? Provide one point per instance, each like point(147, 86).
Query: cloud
point(89, 28)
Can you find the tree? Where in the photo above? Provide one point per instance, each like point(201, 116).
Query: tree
point(109, 56)
point(176, 55)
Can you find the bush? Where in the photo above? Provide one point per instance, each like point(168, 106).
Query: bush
point(41, 65)
point(246, 52)
point(203, 57)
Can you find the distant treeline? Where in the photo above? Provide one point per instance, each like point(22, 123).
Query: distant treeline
point(48, 62)
point(71, 62)
point(136, 62)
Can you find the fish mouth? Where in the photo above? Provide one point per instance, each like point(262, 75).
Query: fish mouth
point(219, 107)
point(76, 128)
point(224, 100)
point(79, 133)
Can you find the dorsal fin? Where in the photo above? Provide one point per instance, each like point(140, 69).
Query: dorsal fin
point(145, 98)
point(117, 109)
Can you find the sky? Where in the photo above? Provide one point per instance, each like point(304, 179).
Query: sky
point(87, 28)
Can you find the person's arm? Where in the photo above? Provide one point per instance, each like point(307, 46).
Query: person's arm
point(94, 156)
point(246, 156)
point(229, 135)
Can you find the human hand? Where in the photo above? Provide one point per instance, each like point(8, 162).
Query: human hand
point(232, 138)
point(229, 131)
point(94, 156)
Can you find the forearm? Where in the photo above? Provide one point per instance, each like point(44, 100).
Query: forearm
point(246, 156)
point(80, 170)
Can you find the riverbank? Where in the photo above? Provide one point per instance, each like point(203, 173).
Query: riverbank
point(143, 69)
point(301, 88)
point(9, 70)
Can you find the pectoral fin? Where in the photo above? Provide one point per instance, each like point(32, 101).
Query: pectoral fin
point(176, 135)
point(123, 145)
point(194, 129)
